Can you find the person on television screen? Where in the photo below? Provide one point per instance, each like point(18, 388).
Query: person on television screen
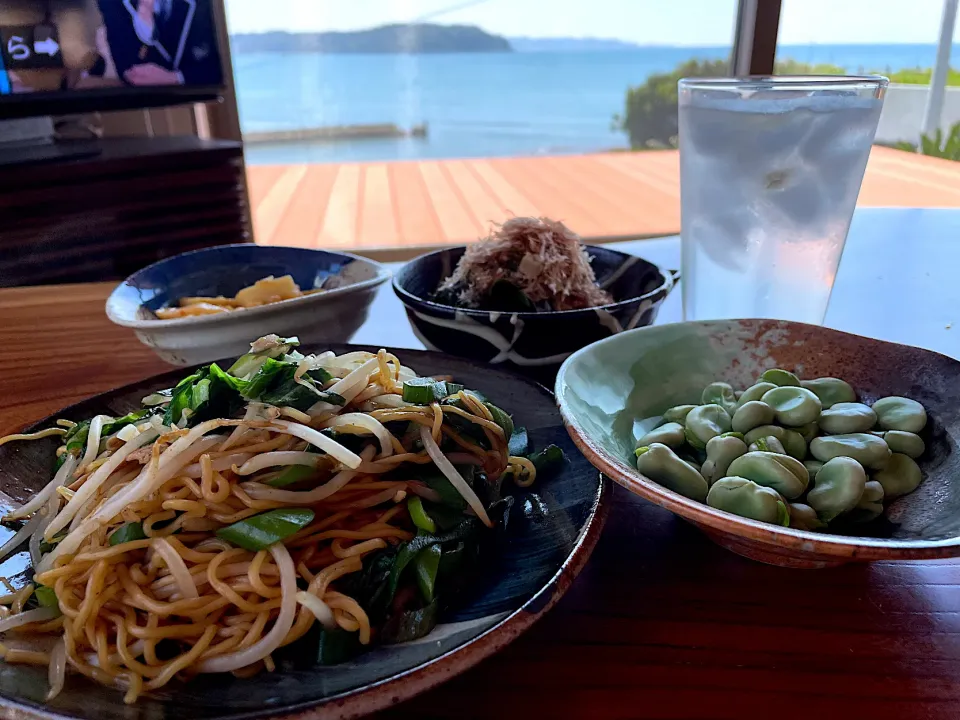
point(162, 42)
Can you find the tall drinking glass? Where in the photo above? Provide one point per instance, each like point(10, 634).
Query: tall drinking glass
point(770, 170)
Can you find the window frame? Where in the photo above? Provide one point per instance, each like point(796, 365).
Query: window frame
point(755, 37)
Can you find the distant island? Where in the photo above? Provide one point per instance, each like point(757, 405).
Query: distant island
point(563, 44)
point(415, 38)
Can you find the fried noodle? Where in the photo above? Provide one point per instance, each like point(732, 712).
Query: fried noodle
point(124, 604)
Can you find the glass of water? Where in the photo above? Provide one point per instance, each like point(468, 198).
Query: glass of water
point(770, 170)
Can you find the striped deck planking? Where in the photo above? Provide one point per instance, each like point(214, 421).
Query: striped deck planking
point(397, 204)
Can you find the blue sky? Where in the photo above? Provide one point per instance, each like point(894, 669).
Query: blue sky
point(659, 22)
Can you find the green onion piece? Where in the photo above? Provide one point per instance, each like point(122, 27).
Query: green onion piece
point(261, 531)
point(130, 532)
point(337, 646)
point(425, 566)
point(250, 363)
point(419, 515)
point(46, 596)
point(75, 441)
point(121, 422)
point(408, 551)
point(519, 442)
point(180, 399)
point(201, 393)
point(293, 474)
point(502, 419)
point(320, 375)
point(409, 625)
point(46, 547)
point(247, 365)
point(438, 482)
point(452, 560)
point(444, 517)
point(160, 397)
point(423, 391)
point(550, 459)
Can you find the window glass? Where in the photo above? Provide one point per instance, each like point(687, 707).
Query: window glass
point(371, 81)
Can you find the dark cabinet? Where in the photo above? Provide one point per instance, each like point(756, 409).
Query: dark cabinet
point(101, 210)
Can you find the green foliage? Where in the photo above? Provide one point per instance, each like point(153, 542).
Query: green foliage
point(650, 117)
point(942, 147)
point(899, 145)
point(795, 67)
point(920, 76)
point(936, 146)
point(650, 113)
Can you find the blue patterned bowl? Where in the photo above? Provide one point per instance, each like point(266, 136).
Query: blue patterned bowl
point(533, 343)
point(331, 316)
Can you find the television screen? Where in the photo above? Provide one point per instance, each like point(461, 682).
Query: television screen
point(64, 56)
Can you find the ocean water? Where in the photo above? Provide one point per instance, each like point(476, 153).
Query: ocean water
point(478, 104)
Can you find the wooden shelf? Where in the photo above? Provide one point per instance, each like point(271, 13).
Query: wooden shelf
point(120, 204)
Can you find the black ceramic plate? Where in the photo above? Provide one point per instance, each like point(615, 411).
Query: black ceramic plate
point(551, 532)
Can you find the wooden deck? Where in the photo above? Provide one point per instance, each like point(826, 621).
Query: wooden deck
point(408, 204)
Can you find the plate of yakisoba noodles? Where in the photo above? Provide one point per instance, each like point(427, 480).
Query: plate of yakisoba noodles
point(295, 532)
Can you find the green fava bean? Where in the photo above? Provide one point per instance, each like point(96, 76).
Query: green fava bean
point(722, 394)
point(804, 517)
point(900, 413)
point(783, 473)
point(661, 464)
point(870, 506)
point(705, 422)
point(794, 444)
point(831, 390)
point(905, 443)
point(678, 414)
point(809, 431)
point(900, 477)
point(781, 378)
point(762, 432)
point(721, 451)
point(670, 435)
point(745, 498)
point(847, 417)
point(837, 488)
point(752, 414)
point(813, 467)
point(795, 406)
point(768, 444)
point(868, 450)
point(792, 441)
point(754, 392)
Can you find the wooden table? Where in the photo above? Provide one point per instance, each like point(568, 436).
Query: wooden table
point(661, 623)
